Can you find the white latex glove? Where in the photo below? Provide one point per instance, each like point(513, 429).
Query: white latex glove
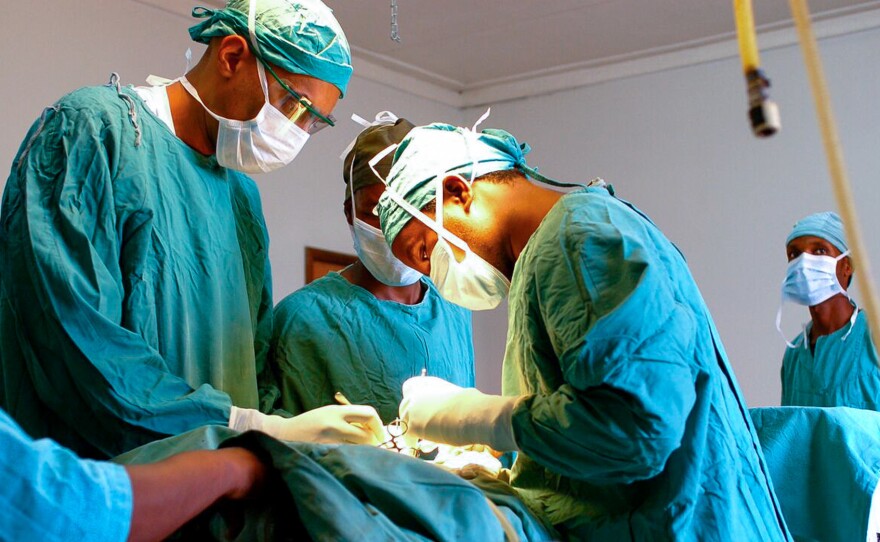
point(350, 424)
point(440, 411)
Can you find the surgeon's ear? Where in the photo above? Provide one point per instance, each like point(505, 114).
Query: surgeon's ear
point(231, 51)
point(457, 191)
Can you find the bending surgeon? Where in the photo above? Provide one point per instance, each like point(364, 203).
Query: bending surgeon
point(617, 391)
point(50, 494)
point(135, 286)
point(833, 362)
point(367, 329)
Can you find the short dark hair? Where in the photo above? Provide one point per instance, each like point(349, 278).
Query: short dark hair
point(502, 176)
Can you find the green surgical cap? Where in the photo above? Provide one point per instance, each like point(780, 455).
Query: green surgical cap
point(825, 225)
point(356, 170)
point(300, 36)
point(441, 149)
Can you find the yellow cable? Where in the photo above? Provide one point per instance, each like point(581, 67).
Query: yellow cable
point(834, 155)
point(745, 30)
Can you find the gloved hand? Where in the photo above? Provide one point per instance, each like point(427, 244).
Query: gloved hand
point(443, 412)
point(350, 424)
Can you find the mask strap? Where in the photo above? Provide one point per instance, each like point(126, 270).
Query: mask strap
point(383, 118)
point(481, 119)
point(852, 319)
point(378, 158)
point(424, 219)
point(438, 201)
point(779, 324)
point(415, 213)
point(195, 94)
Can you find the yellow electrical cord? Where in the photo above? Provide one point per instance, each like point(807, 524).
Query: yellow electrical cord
point(834, 155)
point(745, 31)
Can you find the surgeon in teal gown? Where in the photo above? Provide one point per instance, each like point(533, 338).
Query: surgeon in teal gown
point(364, 331)
point(135, 286)
point(834, 361)
point(617, 390)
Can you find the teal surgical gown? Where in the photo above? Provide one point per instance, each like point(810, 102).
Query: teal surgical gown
point(634, 427)
point(825, 465)
point(49, 494)
point(335, 336)
point(135, 293)
point(840, 372)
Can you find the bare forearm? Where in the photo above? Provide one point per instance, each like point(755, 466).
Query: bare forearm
point(169, 493)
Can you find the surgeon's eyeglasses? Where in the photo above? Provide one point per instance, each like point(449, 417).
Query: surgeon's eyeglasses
point(299, 109)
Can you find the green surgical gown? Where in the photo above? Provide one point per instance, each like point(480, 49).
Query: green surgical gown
point(135, 294)
point(634, 427)
point(335, 336)
point(49, 494)
point(840, 372)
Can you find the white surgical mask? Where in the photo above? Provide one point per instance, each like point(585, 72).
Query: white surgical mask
point(472, 283)
point(376, 255)
point(810, 279)
point(265, 143)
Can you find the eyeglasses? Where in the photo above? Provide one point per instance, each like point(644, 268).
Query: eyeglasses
point(299, 109)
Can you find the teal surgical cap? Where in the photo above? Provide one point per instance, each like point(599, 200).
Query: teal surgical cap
point(825, 225)
point(443, 149)
point(300, 36)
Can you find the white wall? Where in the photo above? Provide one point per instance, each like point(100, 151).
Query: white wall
point(678, 145)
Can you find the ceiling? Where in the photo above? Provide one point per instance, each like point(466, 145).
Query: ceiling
point(471, 52)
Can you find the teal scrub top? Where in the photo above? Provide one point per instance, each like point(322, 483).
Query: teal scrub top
point(135, 291)
point(335, 336)
point(49, 494)
point(840, 372)
point(633, 427)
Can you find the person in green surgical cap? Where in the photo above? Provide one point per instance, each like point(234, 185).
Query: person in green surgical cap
point(135, 286)
point(617, 392)
point(833, 362)
point(367, 329)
